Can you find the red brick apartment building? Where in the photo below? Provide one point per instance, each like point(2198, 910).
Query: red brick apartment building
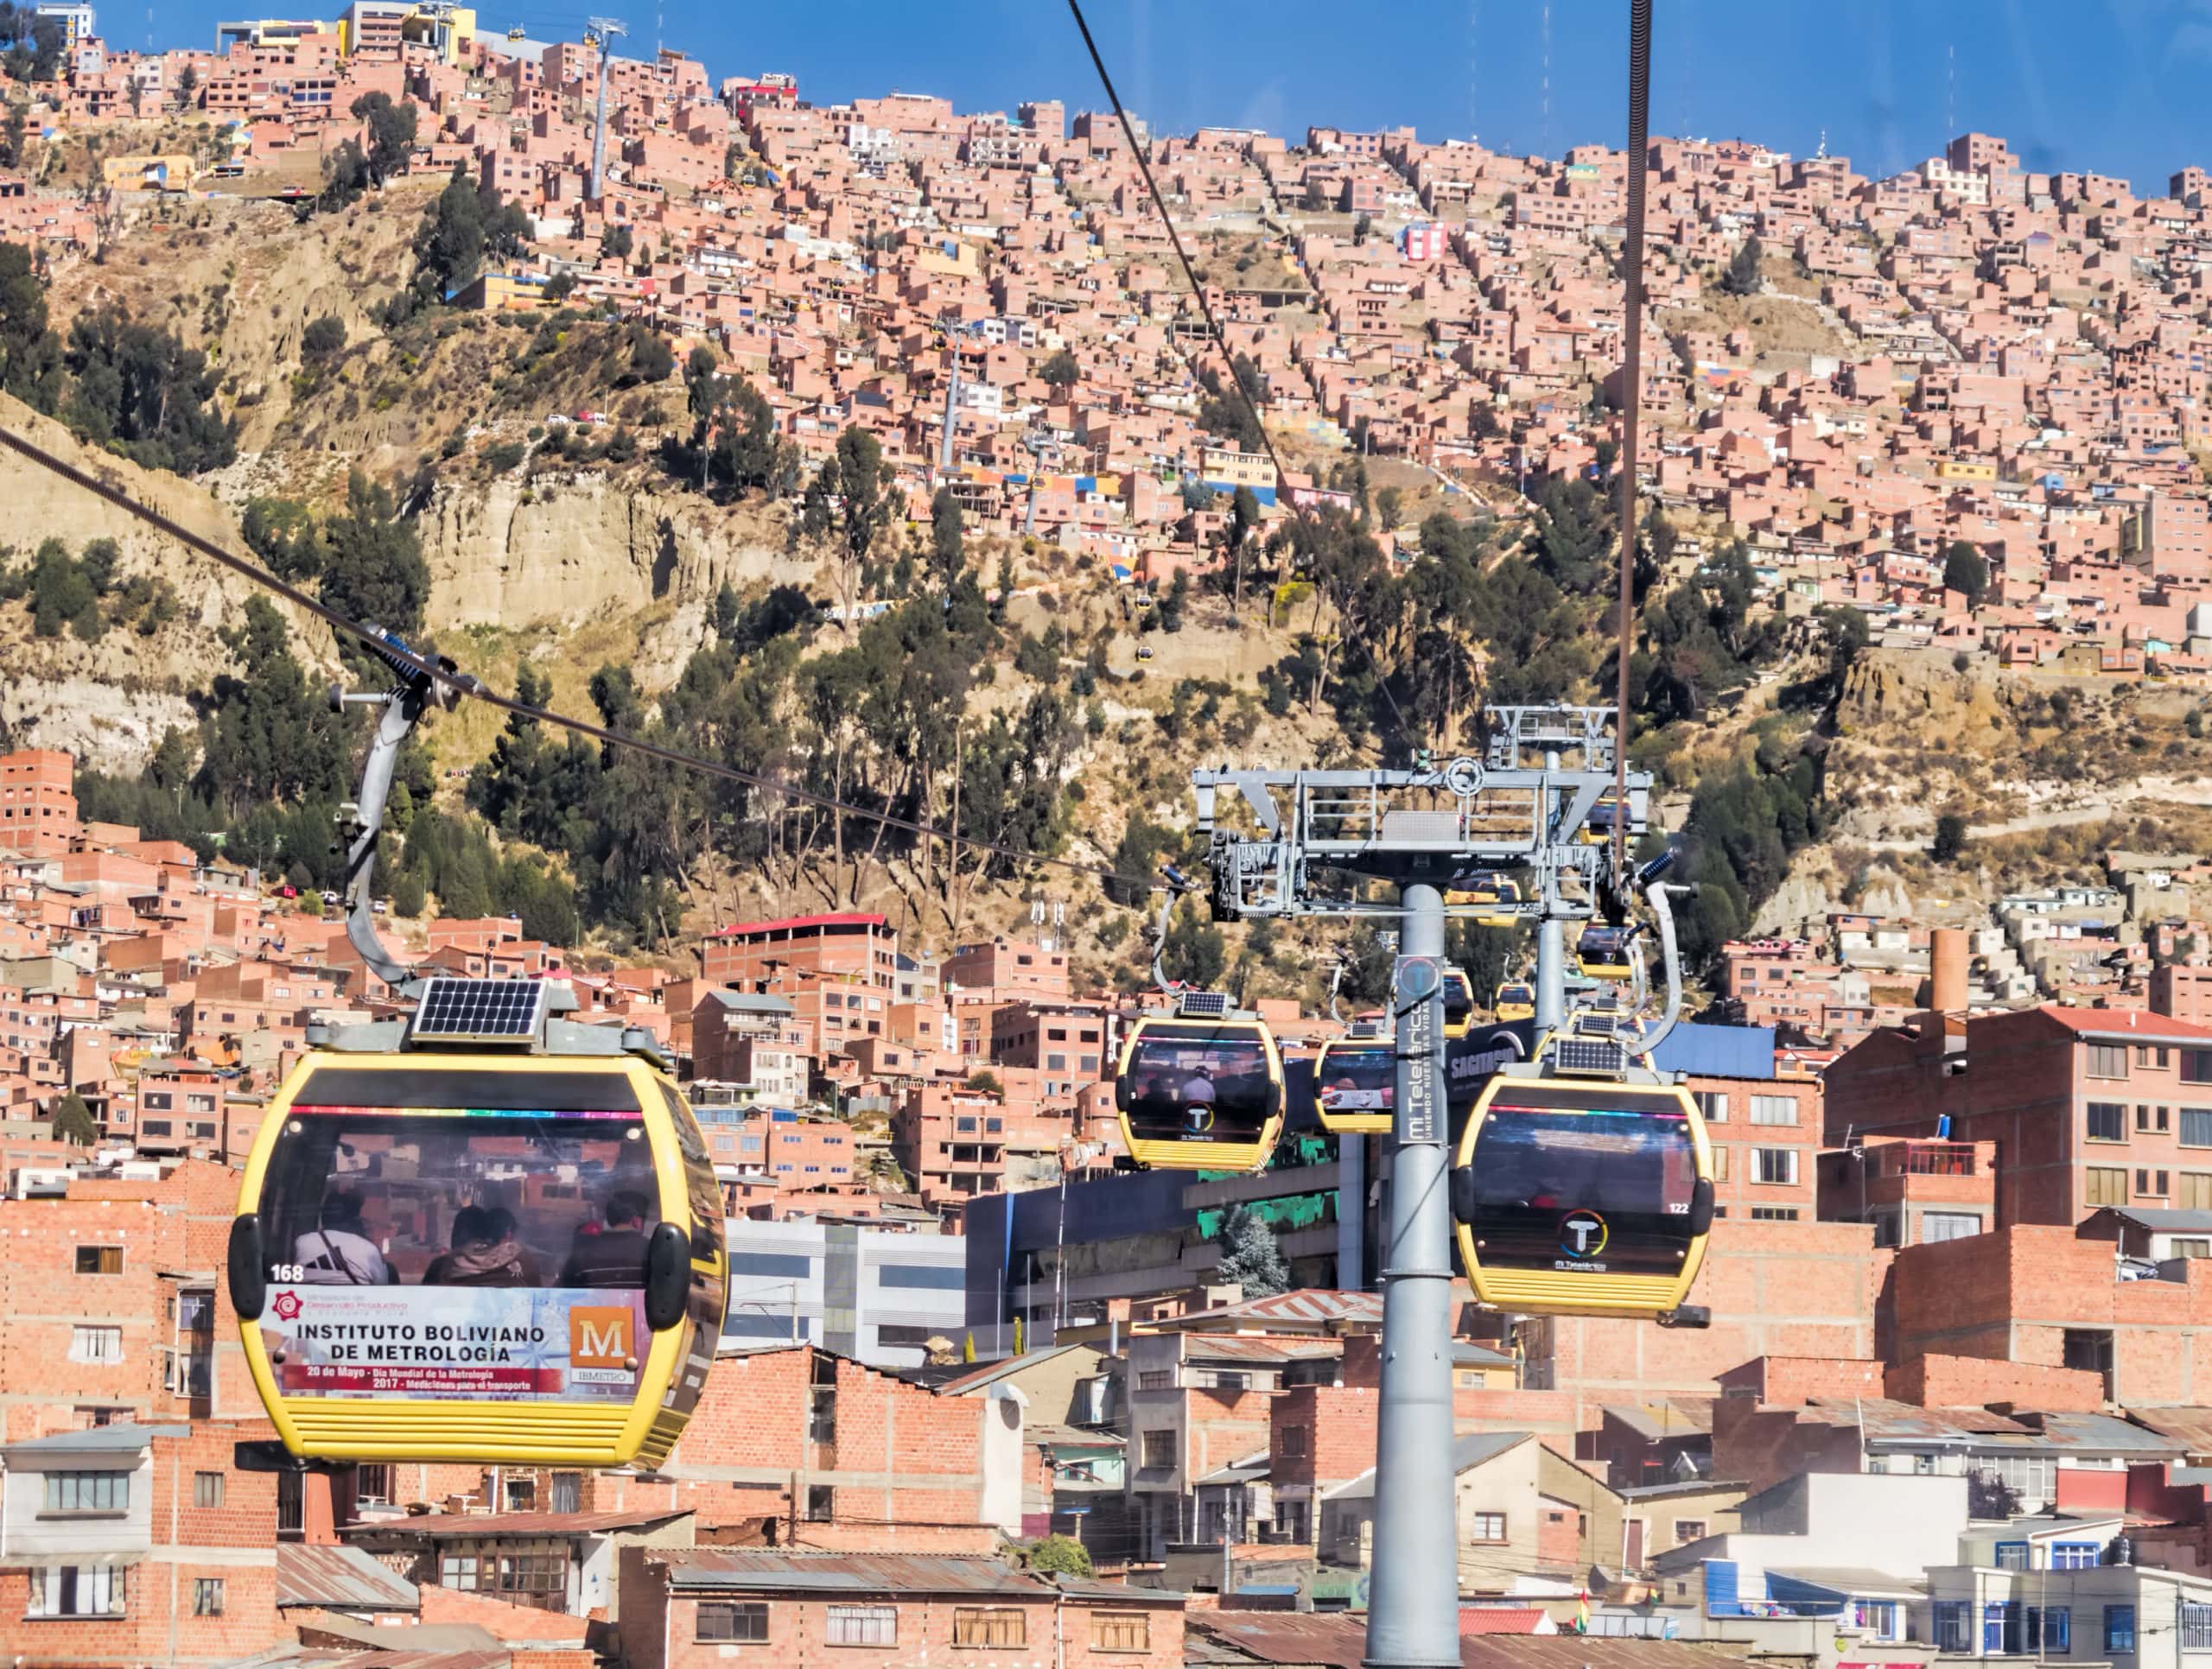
point(1911, 1191)
point(1006, 969)
point(2087, 1107)
point(852, 946)
point(38, 800)
point(106, 1321)
point(129, 1545)
point(697, 1610)
point(1765, 1135)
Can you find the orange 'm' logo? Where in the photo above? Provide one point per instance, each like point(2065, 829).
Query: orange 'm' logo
point(599, 1337)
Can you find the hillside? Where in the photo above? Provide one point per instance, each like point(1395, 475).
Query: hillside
point(421, 461)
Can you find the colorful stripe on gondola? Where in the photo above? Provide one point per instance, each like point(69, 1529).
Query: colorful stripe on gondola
point(462, 1111)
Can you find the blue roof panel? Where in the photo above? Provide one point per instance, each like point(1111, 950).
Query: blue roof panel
point(1717, 1051)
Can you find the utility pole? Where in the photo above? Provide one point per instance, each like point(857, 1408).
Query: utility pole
point(1281, 850)
point(1413, 1614)
point(603, 30)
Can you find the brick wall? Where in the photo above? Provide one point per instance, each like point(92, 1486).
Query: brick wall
point(2014, 1296)
point(1972, 1382)
point(1796, 1379)
point(1785, 1289)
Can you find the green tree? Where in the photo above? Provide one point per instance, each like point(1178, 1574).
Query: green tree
point(1195, 953)
point(1250, 1256)
point(372, 566)
point(1388, 503)
point(1966, 572)
point(947, 555)
point(1742, 277)
point(449, 247)
point(1847, 636)
point(1950, 838)
point(1060, 370)
point(73, 1121)
point(13, 127)
point(142, 390)
point(1062, 1556)
point(390, 132)
point(618, 241)
point(30, 354)
point(323, 340)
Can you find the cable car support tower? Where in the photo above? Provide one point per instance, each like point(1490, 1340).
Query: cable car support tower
point(1300, 843)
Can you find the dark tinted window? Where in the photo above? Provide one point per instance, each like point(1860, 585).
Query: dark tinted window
point(382, 1191)
point(1189, 1080)
point(1584, 1177)
point(1359, 1079)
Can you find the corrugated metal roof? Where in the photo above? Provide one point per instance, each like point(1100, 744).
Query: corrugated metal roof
point(2191, 1428)
point(2161, 1221)
point(844, 1573)
point(1307, 1307)
point(1673, 1416)
point(1717, 1051)
point(1239, 1347)
point(1501, 1619)
point(342, 1578)
point(443, 1526)
point(1328, 1641)
point(2101, 1433)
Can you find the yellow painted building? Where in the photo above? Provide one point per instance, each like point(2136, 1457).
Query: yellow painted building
point(161, 173)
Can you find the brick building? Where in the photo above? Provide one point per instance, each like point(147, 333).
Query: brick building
point(2087, 1107)
point(129, 1545)
point(2043, 1296)
point(1005, 969)
point(850, 946)
point(695, 1610)
point(807, 1438)
point(1911, 1191)
point(38, 800)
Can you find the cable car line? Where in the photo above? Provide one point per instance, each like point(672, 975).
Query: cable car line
point(453, 679)
point(1639, 121)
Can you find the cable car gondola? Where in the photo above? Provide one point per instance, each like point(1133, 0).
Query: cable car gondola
point(1356, 1085)
point(1500, 890)
point(1515, 1001)
point(478, 1255)
point(1458, 1002)
point(1200, 1089)
point(1583, 1193)
point(1605, 953)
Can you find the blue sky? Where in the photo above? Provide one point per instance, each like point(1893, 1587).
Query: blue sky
point(2108, 86)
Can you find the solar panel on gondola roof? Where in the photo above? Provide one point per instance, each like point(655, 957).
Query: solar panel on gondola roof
point(478, 1011)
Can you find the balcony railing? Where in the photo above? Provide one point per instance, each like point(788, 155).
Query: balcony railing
point(1929, 1159)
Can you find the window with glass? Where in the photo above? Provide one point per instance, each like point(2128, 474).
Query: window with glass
point(2152, 1119)
point(2107, 1121)
point(458, 1571)
point(1290, 1443)
point(1003, 1625)
point(1487, 1527)
point(1158, 1450)
point(2011, 1556)
point(99, 1260)
point(1774, 1110)
point(2196, 1127)
point(1774, 1165)
point(1774, 1214)
point(1712, 1106)
point(84, 1493)
point(568, 1491)
point(1954, 1622)
point(207, 1488)
point(2196, 1066)
point(440, 1175)
point(861, 1625)
point(1688, 1530)
point(743, 1622)
point(77, 1591)
point(2073, 1555)
point(206, 1597)
point(2195, 1626)
point(2105, 1184)
point(2119, 1628)
point(2048, 1628)
point(1121, 1631)
point(100, 1345)
point(2108, 1060)
point(1949, 1225)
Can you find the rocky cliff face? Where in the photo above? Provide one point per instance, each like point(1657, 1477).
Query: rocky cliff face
point(564, 551)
